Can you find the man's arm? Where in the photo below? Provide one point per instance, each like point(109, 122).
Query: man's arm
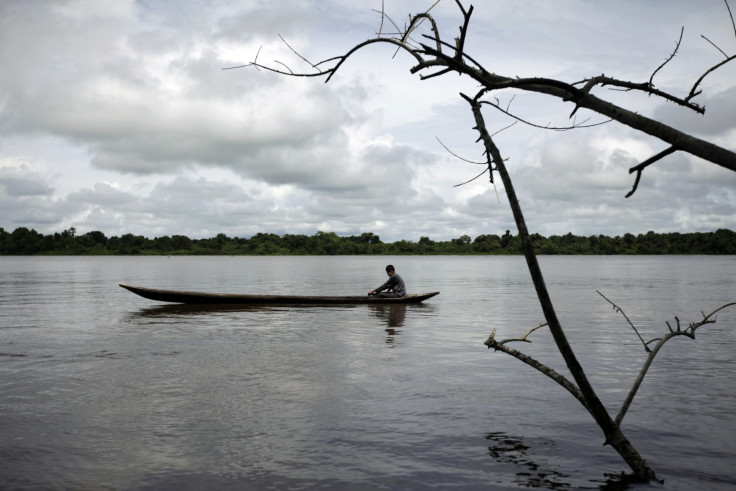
point(386, 285)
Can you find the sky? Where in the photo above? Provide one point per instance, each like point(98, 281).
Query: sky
point(118, 116)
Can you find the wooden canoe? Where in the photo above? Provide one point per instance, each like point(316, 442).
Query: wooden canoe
point(236, 299)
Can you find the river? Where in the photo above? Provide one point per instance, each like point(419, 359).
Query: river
point(101, 389)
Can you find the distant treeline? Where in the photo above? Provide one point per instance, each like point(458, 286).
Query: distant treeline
point(23, 241)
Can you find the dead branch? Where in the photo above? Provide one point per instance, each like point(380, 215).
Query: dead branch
point(730, 14)
point(525, 336)
point(473, 179)
point(694, 92)
point(575, 125)
point(457, 156)
point(489, 169)
point(689, 332)
point(639, 168)
point(677, 47)
point(645, 87)
point(541, 367)
point(618, 309)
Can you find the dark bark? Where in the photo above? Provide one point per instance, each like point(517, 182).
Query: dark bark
point(595, 407)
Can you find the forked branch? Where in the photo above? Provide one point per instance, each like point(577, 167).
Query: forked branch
point(688, 331)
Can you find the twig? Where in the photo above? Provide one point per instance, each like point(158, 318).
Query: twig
point(524, 337)
point(677, 47)
point(715, 46)
point(646, 87)
point(549, 372)
point(544, 127)
point(383, 16)
point(694, 92)
point(618, 309)
point(689, 332)
point(297, 53)
point(639, 168)
point(733, 24)
point(460, 42)
point(473, 179)
point(457, 156)
point(488, 169)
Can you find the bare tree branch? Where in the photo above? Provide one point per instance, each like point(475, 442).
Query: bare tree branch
point(524, 337)
point(677, 47)
point(473, 179)
point(694, 92)
point(547, 126)
point(459, 157)
point(549, 372)
point(460, 43)
point(715, 46)
point(688, 332)
point(383, 16)
point(646, 87)
point(639, 168)
point(618, 309)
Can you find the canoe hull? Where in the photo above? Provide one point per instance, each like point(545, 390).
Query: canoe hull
point(174, 296)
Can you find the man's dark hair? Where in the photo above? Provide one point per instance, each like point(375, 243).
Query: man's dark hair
point(390, 268)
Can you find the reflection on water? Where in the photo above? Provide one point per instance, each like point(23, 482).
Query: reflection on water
point(531, 474)
point(534, 472)
point(179, 309)
point(393, 316)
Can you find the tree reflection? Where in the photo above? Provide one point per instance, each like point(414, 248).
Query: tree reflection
point(512, 450)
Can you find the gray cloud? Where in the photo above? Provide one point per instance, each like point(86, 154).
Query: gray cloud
point(166, 142)
point(22, 182)
point(717, 121)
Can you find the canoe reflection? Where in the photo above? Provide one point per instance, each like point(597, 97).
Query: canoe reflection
point(182, 309)
point(393, 315)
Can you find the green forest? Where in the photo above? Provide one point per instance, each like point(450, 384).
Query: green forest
point(24, 241)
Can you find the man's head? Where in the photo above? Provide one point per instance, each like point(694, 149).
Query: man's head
point(390, 270)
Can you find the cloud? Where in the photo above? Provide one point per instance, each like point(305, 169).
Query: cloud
point(717, 122)
point(23, 182)
point(126, 121)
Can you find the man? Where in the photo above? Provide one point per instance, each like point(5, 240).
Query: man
point(394, 286)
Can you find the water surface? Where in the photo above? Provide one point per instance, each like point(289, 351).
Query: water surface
point(103, 389)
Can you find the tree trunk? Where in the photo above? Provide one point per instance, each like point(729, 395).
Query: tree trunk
point(595, 407)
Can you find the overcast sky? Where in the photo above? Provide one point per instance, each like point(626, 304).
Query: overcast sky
point(117, 115)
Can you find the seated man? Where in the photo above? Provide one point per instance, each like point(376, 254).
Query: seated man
point(394, 286)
